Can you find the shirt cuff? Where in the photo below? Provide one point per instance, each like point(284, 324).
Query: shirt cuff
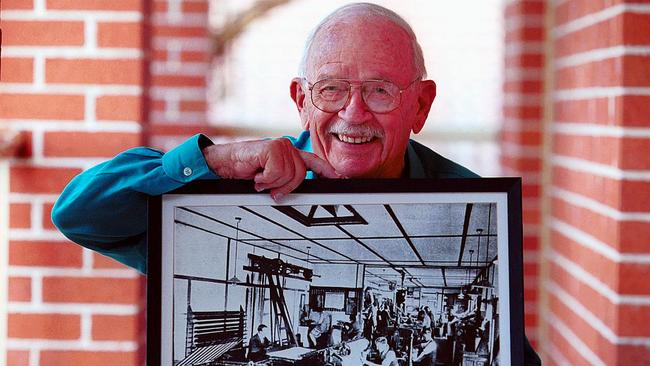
point(185, 163)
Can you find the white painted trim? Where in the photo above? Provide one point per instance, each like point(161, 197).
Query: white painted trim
point(103, 309)
point(90, 34)
point(600, 170)
point(521, 74)
point(71, 15)
point(39, 7)
point(598, 92)
point(590, 242)
point(182, 20)
point(4, 254)
point(519, 48)
point(594, 129)
point(185, 93)
point(182, 68)
point(73, 53)
point(513, 99)
point(162, 117)
point(174, 12)
point(591, 319)
point(599, 55)
point(39, 71)
point(73, 272)
point(29, 198)
point(573, 339)
point(555, 354)
point(28, 234)
point(588, 279)
point(520, 151)
point(531, 229)
point(72, 126)
point(50, 88)
point(518, 21)
point(86, 328)
point(49, 344)
point(189, 43)
point(597, 207)
point(34, 357)
point(597, 17)
point(75, 163)
point(522, 125)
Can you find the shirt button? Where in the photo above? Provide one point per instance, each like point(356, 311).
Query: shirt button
point(187, 171)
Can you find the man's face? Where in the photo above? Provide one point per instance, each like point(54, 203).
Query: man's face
point(356, 141)
point(382, 347)
point(427, 335)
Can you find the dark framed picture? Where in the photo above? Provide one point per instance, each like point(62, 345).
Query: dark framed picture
point(341, 272)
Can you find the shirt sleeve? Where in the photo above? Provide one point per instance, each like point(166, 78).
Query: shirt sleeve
point(105, 207)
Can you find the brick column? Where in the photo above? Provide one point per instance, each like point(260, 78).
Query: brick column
point(83, 80)
point(72, 85)
point(179, 69)
point(521, 132)
point(598, 251)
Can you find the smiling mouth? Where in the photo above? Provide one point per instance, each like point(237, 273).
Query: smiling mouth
point(357, 140)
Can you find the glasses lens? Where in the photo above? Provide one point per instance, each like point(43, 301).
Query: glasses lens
point(330, 95)
point(380, 96)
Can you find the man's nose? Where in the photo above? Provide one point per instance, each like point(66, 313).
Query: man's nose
point(355, 110)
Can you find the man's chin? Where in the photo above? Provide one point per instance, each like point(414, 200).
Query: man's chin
point(356, 170)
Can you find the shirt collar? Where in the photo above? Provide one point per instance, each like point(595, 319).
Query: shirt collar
point(413, 164)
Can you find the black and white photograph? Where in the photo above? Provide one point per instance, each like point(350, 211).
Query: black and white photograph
point(336, 279)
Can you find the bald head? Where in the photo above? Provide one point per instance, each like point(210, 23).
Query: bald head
point(361, 14)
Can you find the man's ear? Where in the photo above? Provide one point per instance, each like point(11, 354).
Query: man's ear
point(298, 95)
point(425, 99)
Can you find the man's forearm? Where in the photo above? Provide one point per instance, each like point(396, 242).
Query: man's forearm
point(105, 207)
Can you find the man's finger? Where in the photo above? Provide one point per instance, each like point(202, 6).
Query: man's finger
point(297, 176)
point(319, 166)
point(273, 170)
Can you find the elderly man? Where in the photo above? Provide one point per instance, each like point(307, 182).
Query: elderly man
point(361, 93)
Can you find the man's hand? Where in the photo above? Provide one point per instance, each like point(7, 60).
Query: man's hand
point(273, 164)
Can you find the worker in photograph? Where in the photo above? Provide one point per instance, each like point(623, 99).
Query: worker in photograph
point(320, 327)
point(259, 344)
point(426, 356)
point(361, 92)
point(385, 355)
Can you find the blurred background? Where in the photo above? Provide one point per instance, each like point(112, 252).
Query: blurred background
point(557, 92)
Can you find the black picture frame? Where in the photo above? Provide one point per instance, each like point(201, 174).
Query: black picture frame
point(504, 193)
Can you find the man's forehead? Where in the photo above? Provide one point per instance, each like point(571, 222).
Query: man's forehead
point(336, 70)
point(380, 48)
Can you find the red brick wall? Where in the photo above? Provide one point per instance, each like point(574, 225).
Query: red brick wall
point(598, 299)
point(84, 80)
point(521, 132)
point(594, 295)
point(180, 67)
point(72, 81)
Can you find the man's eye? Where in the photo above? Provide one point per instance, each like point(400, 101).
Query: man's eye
point(331, 88)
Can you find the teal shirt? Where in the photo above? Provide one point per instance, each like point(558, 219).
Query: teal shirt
point(105, 207)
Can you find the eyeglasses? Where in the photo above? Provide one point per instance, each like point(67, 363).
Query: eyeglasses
point(381, 96)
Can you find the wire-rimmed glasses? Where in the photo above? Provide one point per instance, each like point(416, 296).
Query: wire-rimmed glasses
point(381, 96)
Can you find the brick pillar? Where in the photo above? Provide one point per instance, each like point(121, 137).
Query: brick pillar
point(598, 294)
point(179, 69)
point(72, 84)
point(521, 148)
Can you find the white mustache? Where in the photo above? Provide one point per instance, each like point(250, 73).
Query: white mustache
point(364, 130)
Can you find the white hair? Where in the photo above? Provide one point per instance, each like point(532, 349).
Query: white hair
point(368, 10)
